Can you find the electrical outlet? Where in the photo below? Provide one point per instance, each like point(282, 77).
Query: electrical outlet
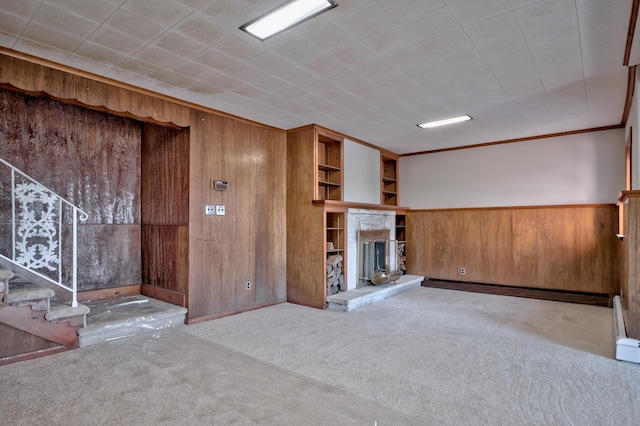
point(209, 209)
point(462, 271)
point(247, 285)
point(220, 210)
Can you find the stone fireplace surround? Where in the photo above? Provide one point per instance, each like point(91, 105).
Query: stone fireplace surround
point(364, 220)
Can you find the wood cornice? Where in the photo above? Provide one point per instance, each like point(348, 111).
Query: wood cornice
point(530, 138)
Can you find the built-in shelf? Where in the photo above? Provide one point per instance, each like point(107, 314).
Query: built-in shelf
point(389, 180)
point(329, 164)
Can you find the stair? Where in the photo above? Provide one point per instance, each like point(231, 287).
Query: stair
point(33, 310)
point(37, 311)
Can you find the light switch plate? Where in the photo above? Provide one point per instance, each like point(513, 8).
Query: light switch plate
point(220, 210)
point(210, 209)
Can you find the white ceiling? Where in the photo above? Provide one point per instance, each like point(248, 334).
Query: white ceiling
point(369, 69)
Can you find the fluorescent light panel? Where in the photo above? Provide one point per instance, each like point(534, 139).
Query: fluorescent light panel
point(286, 16)
point(444, 122)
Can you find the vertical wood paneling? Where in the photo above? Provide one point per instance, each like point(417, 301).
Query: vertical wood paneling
point(165, 207)
point(563, 248)
point(243, 245)
point(305, 230)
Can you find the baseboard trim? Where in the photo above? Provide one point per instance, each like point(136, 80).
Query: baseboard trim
point(596, 299)
point(108, 293)
point(166, 295)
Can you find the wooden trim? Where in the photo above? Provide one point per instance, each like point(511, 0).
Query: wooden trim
point(529, 138)
point(342, 205)
point(74, 71)
point(631, 87)
point(596, 299)
point(226, 314)
point(624, 195)
point(32, 355)
point(166, 295)
point(551, 206)
point(631, 32)
point(628, 160)
point(109, 293)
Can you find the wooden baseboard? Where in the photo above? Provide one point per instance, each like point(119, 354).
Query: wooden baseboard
point(169, 296)
point(109, 293)
point(596, 299)
point(226, 314)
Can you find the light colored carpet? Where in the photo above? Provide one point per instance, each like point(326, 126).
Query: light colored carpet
point(427, 356)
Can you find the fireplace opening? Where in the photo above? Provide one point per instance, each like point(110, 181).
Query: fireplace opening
point(378, 258)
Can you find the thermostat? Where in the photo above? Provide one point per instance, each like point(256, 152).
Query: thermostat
point(221, 185)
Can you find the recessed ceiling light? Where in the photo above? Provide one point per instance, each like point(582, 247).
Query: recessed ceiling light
point(286, 16)
point(444, 122)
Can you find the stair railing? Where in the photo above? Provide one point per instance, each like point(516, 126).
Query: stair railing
point(40, 220)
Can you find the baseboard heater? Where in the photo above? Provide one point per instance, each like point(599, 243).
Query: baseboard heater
point(626, 349)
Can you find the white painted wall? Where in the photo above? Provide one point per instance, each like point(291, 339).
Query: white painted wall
point(361, 173)
point(587, 168)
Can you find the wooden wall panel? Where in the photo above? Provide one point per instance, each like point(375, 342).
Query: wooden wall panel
point(243, 245)
point(305, 230)
point(571, 248)
point(165, 207)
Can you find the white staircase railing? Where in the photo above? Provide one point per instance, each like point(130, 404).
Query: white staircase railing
point(40, 221)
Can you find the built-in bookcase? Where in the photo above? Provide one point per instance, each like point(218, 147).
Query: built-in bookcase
point(329, 159)
point(389, 180)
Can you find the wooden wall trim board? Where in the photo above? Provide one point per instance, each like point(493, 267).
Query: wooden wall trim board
point(631, 88)
point(343, 205)
point(571, 248)
point(546, 206)
point(109, 293)
point(529, 138)
point(631, 31)
point(166, 295)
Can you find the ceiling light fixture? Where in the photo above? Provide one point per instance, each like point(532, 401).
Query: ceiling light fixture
point(444, 122)
point(286, 16)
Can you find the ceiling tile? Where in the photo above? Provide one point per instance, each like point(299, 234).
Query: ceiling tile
point(96, 11)
point(134, 25)
point(179, 44)
point(408, 9)
point(468, 12)
point(116, 40)
point(53, 37)
point(391, 40)
point(7, 40)
point(12, 24)
point(164, 12)
point(432, 24)
point(366, 21)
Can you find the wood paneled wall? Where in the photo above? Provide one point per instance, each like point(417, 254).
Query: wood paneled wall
point(208, 259)
point(165, 208)
point(248, 243)
point(571, 248)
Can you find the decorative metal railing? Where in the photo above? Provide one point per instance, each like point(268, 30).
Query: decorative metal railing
point(43, 228)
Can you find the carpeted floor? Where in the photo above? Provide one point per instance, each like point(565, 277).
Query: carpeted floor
point(427, 356)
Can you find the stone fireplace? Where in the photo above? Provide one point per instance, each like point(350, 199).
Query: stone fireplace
point(375, 228)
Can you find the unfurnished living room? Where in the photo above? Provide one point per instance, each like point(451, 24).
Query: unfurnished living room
point(350, 212)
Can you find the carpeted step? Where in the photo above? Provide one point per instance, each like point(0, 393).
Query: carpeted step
point(63, 312)
point(23, 293)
